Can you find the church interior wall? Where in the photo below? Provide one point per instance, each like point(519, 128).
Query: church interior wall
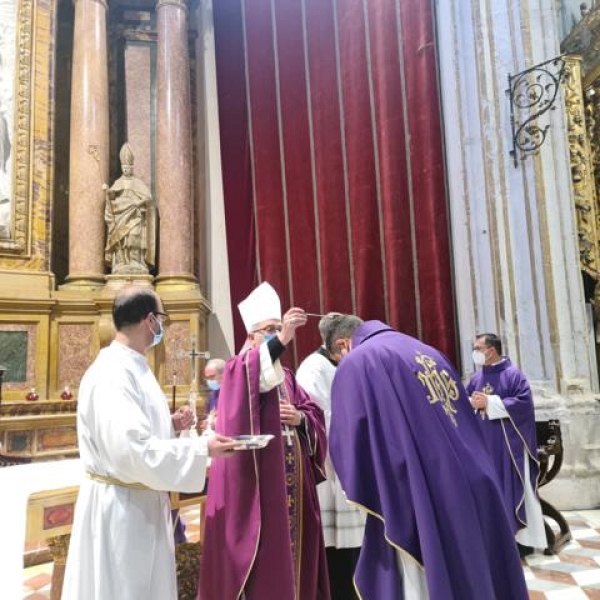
point(514, 231)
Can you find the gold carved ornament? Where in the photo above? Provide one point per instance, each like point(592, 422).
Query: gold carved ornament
point(19, 243)
point(582, 171)
point(59, 548)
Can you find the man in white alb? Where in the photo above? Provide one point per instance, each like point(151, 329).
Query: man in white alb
point(122, 544)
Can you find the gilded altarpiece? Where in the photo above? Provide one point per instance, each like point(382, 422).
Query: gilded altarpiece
point(582, 170)
point(27, 244)
point(50, 334)
point(582, 104)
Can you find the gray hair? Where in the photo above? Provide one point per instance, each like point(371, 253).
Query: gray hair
point(326, 324)
point(218, 364)
point(342, 328)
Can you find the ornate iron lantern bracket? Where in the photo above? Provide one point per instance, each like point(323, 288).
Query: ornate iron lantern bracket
point(532, 93)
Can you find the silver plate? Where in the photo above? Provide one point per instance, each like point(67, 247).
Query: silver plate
point(251, 442)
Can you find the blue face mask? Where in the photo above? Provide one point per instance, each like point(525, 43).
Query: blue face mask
point(270, 336)
point(158, 336)
point(213, 385)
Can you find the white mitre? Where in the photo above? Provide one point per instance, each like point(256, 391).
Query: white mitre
point(261, 305)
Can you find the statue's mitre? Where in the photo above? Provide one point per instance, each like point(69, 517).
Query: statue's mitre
point(126, 155)
point(261, 305)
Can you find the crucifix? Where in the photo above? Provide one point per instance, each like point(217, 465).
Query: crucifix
point(286, 432)
point(194, 356)
point(193, 396)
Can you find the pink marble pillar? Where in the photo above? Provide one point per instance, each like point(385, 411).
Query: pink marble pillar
point(174, 146)
point(89, 151)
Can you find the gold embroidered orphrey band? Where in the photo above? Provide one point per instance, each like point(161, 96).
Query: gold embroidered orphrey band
point(113, 481)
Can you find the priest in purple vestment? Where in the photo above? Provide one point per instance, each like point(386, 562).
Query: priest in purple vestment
point(502, 397)
point(408, 450)
point(263, 536)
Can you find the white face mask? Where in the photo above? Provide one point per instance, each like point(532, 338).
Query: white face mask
point(158, 336)
point(478, 358)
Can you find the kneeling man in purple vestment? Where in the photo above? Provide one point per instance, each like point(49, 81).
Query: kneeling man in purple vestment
point(263, 536)
point(501, 394)
point(408, 450)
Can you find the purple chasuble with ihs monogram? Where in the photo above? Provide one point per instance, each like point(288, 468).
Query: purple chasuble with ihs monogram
point(408, 450)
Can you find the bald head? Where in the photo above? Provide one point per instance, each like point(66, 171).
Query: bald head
point(215, 364)
point(133, 304)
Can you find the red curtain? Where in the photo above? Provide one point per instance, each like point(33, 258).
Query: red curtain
point(333, 162)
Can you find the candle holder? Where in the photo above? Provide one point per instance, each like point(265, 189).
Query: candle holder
point(32, 395)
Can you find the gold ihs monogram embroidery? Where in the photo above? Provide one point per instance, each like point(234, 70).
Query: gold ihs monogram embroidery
point(439, 385)
point(488, 389)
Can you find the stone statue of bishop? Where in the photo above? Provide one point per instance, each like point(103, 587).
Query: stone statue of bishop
point(130, 216)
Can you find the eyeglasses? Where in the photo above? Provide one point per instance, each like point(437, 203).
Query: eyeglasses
point(269, 329)
point(164, 316)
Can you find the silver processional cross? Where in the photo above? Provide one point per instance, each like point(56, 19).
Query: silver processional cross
point(194, 356)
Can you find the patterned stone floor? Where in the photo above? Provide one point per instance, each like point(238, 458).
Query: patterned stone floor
point(572, 575)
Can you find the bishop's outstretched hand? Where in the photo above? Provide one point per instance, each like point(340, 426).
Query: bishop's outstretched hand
point(295, 317)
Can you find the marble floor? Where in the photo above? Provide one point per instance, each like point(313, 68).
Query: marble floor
point(572, 575)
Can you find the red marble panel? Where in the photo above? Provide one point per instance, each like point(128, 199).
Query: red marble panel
point(58, 516)
point(177, 345)
point(138, 91)
point(74, 352)
point(57, 438)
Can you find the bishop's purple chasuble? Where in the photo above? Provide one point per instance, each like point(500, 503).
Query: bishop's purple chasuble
point(408, 450)
point(263, 535)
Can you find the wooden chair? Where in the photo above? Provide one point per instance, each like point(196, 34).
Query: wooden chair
point(187, 554)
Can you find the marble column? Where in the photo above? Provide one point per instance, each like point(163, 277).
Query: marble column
point(514, 232)
point(89, 150)
point(174, 160)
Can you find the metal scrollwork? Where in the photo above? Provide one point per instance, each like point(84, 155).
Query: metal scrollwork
point(532, 93)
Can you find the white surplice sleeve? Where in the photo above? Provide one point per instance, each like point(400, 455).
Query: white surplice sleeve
point(126, 426)
point(271, 373)
point(495, 408)
point(314, 380)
